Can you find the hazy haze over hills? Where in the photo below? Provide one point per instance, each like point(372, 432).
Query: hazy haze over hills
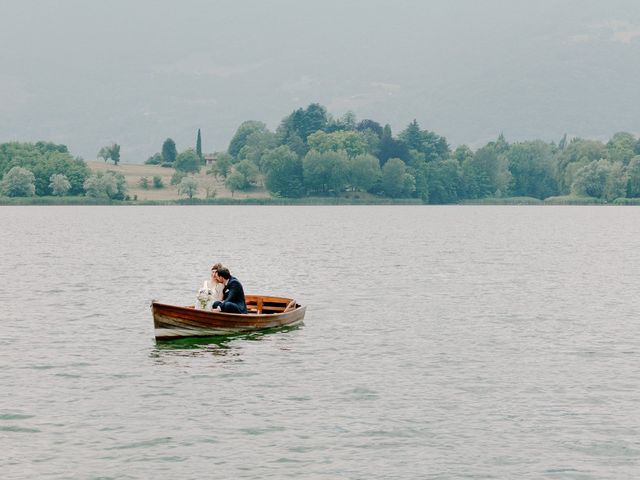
point(86, 73)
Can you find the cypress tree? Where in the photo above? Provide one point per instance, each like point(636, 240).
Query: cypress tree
point(199, 146)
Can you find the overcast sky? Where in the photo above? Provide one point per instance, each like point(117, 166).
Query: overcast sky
point(88, 72)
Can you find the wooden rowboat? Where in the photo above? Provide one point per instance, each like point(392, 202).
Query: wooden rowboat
point(264, 312)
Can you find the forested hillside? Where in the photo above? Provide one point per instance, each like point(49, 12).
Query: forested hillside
point(312, 153)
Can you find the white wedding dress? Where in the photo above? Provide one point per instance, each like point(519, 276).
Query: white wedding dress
point(208, 294)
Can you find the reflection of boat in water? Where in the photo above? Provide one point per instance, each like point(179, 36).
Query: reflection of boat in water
point(264, 312)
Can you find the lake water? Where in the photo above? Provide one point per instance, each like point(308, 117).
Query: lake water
point(439, 343)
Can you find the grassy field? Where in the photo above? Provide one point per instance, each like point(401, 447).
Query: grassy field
point(169, 193)
point(134, 172)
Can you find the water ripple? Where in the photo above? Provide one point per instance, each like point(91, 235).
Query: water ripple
point(439, 343)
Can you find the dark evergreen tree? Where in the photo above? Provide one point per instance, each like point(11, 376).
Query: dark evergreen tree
point(169, 152)
point(412, 136)
point(199, 146)
point(563, 142)
point(434, 146)
point(372, 125)
point(392, 148)
point(303, 122)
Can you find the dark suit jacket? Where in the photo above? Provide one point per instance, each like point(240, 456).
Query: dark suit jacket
point(234, 293)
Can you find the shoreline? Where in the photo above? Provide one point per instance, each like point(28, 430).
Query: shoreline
point(309, 201)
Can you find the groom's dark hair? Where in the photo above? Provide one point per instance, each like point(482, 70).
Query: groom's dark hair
point(224, 273)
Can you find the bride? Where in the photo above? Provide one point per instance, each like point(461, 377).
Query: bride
point(211, 290)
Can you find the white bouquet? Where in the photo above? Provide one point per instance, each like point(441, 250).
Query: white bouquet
point(205, 297)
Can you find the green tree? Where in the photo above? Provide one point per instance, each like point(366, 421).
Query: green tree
point(633, 177)
point(143, 182)
point(59, 184)
point(105, 153)
point(621, 147)
point(18, 182)
point(244, 131)
point(188, 161)
point(444, 181)
point(372, 126)
point(324, 142)
point(433, 146)
point(409, 184)
point(283, 172)
point(302, 123)
point(44, 159)
point(121, 184)
point(236, 181)
point(188, 186)
point(563, 142)
point(177, 177)
point(365, 172)
point(488, 174)
point(325, 172)
point(110, 152)
point(296, 144)
point(462, 153)
point(199, 146)
point(49, 147)
point(352, 142)
point(256, 144)
point(208, 184)
point(75, 170)
point(601, 179)
point(169, 151)
point(348, 121)
point(532, 168)
point(391, 148)
point(420, 173)
point(412, 136)
point(577, 154)
point(115, 153)
point(249, 170)
point(222, 165)
point(616, 186)
point(157, 182)
point(396, 181)
point(101, 185)
point(155, 159)
point(475, 181)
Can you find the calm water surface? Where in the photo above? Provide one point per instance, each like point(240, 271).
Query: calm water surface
point(439, 343)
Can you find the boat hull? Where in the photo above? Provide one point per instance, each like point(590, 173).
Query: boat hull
point(171, 321)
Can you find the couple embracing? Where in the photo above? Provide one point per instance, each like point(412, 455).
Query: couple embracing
point(228, 291)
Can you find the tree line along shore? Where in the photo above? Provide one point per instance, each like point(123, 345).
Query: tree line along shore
point(314, 158)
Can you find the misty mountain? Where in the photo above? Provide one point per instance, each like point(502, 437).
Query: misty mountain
point(90, 73)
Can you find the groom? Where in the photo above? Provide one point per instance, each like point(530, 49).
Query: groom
point(232, 294)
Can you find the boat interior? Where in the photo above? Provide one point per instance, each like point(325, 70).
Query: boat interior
point(261, 304)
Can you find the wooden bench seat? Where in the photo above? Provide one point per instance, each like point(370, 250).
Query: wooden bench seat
point(262, 304)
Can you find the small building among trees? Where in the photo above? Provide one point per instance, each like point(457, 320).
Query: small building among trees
point(210, 159)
